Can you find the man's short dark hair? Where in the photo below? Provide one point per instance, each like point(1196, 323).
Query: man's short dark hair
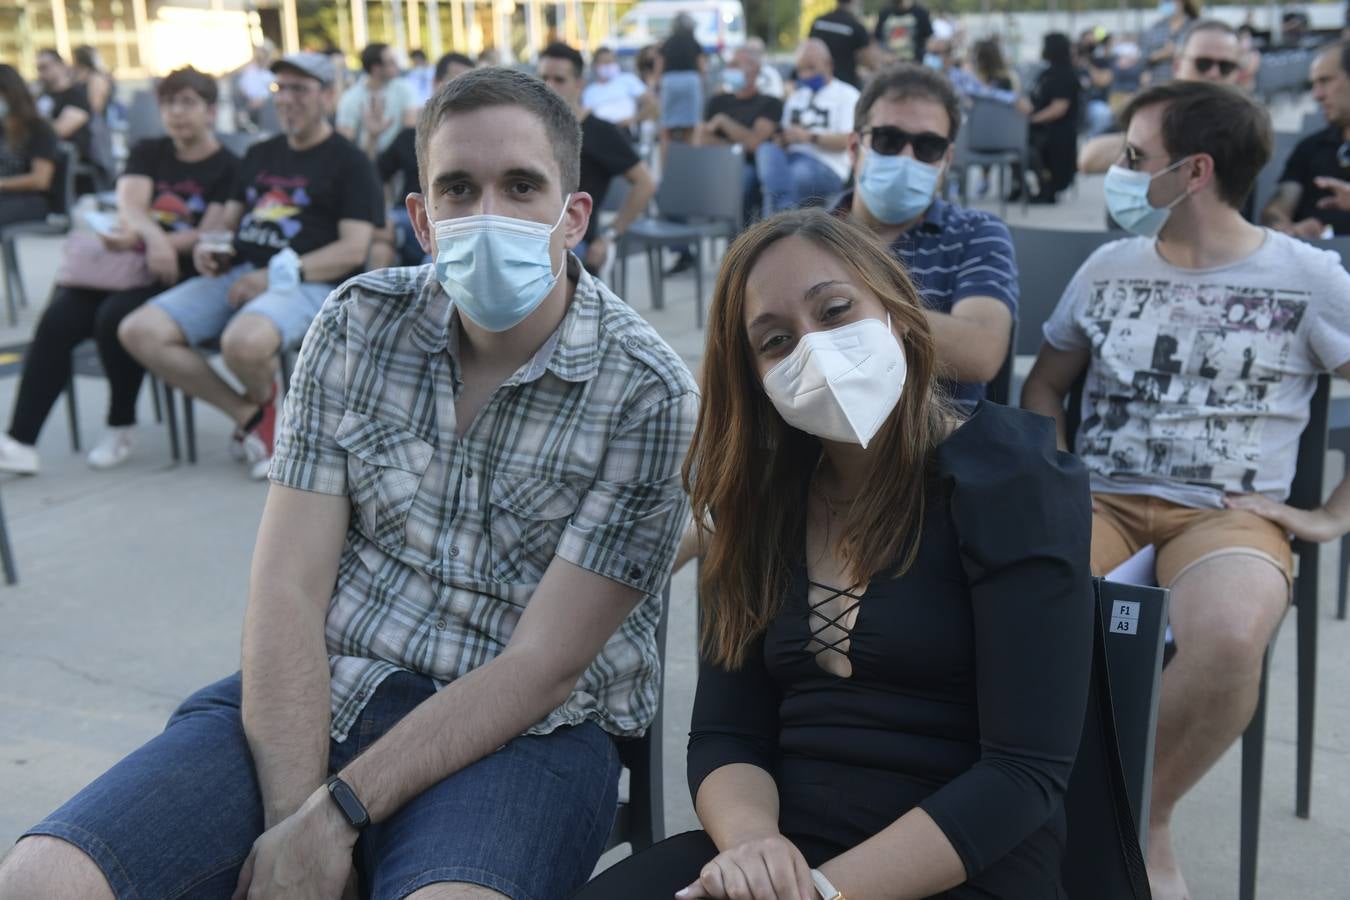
point(905, 81)
point(451, 59)
point(602, 49)
point(1217, 120)
point(559, 50)
point(1214, 25)
point(1342, 51)
point(187, 79)
point(51, 51)
point(417, 56)
point(372, 56)
point(497, 86)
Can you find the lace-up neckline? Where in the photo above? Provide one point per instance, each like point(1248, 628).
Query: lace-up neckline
point(828, 633)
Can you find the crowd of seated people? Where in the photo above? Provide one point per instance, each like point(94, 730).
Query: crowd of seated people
point(487, 468)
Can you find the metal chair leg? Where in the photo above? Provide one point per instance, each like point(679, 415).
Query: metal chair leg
point(171, 420)
point(1253, 759)
point(73, 414)
point(189, 428)
point(7, 552)
point(698, 283)
point(7, 254)
point(154, 395)
point(1305, 598)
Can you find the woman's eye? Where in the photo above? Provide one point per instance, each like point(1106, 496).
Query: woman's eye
point(834, 310)
point(773, 343)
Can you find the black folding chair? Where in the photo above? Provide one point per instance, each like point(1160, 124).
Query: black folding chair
point(57, 224)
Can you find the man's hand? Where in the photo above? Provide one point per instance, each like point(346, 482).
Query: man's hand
point(795, 134)
point(1340, 193)
point(247, 287)
point(596, 253)
point(1313, 525)
point(306, 857)
point(120, 240)
point(162, 260)
point(770, 868)
point(1310, 229)
point(204, 260)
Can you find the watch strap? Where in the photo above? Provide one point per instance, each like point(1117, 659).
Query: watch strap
point(351, 806)
point(826, 890)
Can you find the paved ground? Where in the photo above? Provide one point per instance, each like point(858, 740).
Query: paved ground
point(133, 584)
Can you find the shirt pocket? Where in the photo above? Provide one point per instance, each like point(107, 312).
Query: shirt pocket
point(385, 465)
point(526, 521)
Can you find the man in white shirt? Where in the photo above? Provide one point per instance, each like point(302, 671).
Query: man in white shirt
point(616, 96)
point(808, 158)
point(373, 111)
point(421, 76)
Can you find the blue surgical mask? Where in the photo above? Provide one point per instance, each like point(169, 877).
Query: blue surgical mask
point(1127, 200)
point(733, 80)
point(1167, 9)
point(933, 61)
point(813, 84)
point(4, 107)
point(898, 188)
point(496, 269)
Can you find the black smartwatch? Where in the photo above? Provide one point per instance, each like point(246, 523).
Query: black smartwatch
point(345, 798)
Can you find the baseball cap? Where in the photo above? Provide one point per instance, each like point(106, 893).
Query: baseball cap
point(313, 65)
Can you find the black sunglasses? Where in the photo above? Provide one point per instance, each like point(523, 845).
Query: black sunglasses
point(891, 141)
point(1204, 63)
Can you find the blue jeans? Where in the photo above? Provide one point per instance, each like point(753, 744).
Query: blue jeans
point(410, 253)
point(788, 178)
point(176, 818)
point(201, 309)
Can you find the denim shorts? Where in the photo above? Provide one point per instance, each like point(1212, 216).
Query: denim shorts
point(177, 818)
point(201, 309)
point(681, 99)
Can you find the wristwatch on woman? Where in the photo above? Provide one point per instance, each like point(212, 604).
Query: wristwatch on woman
point(823, 887)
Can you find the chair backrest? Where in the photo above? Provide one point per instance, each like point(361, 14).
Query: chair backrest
point(615, 195)
point(143, 119)
point(1269, 177)
point(995, 128)
point(61, 196)
point(1107, 801)
point(641, 819)
point(267, 118)
point(702, 183)
point(1305, 492)
point(1046, 261)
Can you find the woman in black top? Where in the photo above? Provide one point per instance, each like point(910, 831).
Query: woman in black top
point(1054, 118)
point(169, 186)
point(895, 616)
point(28, 153)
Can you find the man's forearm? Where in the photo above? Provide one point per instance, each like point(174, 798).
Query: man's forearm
point(286, 708)
point(1099, 153)
point(1039, 397)
point(965, 348)
point(462, 723)
point(336, 260)
point(634, 205)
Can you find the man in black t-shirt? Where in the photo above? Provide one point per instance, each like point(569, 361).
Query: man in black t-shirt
point(65, 102)
point(606, 154)
point(743, 116)
point(903, 30)
point(1305, 203)
point(302, 213)
point(846, 36)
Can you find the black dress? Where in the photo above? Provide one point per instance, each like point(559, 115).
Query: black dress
point(969, 681)
point(1056, 143)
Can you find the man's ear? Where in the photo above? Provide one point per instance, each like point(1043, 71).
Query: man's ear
point(577, 218)
point(421, 222)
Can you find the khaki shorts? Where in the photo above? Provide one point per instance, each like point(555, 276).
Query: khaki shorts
point(1123, 524)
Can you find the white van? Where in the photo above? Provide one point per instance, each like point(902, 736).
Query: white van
point(719, 25)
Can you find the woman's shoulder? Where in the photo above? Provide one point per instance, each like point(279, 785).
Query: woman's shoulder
point(998, 446)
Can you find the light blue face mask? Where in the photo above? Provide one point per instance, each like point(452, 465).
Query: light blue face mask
point(933, 61)
point(496, 269)
point(1127, 200)
point(4, 107)
point(733, 80)
point(897, 188)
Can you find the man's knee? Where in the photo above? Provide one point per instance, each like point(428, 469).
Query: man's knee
point(1228, 629)
point(249, 341)
point(456, 891)
point(48, 867)
point(147, 330)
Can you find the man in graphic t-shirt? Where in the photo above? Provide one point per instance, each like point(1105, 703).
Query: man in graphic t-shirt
point(302, 214)
point(847, 38)
point(903, 30)
point(65, 102)
point(1201, 350)
point(742, 116)
point(807, 161)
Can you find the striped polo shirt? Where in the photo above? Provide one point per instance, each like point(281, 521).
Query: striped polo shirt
point(954, 253)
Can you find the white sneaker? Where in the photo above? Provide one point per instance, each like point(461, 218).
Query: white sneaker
point(21, 459)
point(114, 449)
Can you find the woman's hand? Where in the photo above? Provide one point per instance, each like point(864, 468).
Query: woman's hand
point(119, 240)
point(769, 868)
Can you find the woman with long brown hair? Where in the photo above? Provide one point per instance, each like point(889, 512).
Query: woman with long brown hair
point(896, 603)
point(28, 153)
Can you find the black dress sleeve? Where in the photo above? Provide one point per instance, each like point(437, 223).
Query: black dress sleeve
point(1022, 513)
point(42, 142)
point(735, 718)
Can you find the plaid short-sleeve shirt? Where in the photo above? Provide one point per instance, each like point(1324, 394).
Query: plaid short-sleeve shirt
point(577, 455)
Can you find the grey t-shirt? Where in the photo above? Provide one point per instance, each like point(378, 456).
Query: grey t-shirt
point(1200, 379)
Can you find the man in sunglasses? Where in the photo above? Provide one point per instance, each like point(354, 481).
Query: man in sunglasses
point(1209, 51)
point(1307, 203)
point(960, 259)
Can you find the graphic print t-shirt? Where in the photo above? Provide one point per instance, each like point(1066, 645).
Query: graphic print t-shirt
point(182, 190)
point(904, 32)
point(1200, 380)
point(296, 198)
point(826, 111)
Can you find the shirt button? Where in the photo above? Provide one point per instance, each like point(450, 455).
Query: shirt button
point(440, 624)
point(454, 553)
point(630, 342)
point(360, 695)
point(634, 572)
point(468, 473)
